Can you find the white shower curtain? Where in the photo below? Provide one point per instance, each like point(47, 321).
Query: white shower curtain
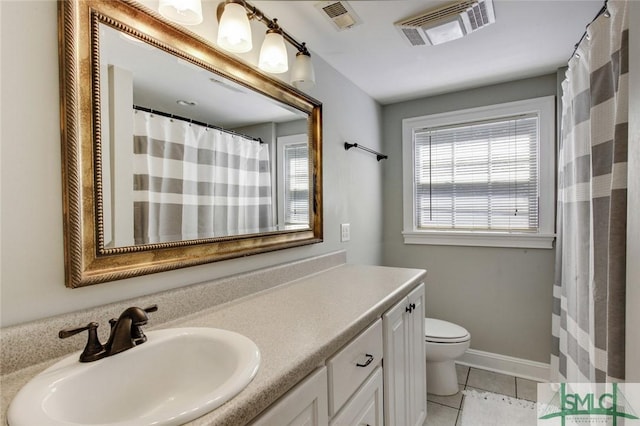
point(589, 290)
point(192, 182)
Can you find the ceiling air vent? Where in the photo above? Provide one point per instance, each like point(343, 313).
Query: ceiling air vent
point(447, 23)
point(339, 13)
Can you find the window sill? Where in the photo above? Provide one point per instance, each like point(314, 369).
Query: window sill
point(479, 239)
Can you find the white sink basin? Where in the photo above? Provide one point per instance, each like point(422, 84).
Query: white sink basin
point(176, 376)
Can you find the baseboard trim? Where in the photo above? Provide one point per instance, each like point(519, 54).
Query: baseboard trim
point(518, 367)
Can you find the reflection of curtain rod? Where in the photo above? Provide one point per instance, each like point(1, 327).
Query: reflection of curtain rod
point(199, 123)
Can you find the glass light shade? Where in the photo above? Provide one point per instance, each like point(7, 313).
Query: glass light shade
point(273, 54)
point(234, 31)
point(303, 76)
point(184, 12)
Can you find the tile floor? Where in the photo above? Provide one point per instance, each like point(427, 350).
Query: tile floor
point(447, 410)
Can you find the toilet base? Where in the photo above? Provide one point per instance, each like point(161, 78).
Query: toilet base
point(441, 378)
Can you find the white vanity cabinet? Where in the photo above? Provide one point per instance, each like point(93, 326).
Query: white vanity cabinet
point(304, 405)
point(348, 390)
point(349, 368)
point(376, 379)
point(405, 387)
point(366, 405)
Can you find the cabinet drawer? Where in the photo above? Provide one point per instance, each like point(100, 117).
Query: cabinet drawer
point(350, 367)
point(365, 408)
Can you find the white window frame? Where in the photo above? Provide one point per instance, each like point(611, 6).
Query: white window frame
point(544, 107)
point(282, 143)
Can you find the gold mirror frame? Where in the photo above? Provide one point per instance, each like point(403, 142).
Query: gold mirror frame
point(87, 261)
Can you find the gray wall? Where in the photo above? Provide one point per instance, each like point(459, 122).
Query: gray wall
point(31, 234)
point(501, 295)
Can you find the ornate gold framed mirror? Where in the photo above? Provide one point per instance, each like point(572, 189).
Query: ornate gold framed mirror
point(173, 153)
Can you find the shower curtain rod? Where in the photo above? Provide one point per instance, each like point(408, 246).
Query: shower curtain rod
point(602, 10)
point(200, 123)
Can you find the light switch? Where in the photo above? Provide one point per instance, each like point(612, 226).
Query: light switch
point(345, 232)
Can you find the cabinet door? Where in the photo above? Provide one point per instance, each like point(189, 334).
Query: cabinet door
point(304, 405)
point(365, 407)
point(416, 365)
point(394, 341)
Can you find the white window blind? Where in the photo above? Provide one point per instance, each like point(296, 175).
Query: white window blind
point(478, 176)
point(296, 181)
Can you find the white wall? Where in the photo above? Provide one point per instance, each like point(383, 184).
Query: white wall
point(31, 234)
point(501, 295)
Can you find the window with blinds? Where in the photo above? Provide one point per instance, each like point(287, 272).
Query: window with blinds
point(296, 182)
point(481, 175)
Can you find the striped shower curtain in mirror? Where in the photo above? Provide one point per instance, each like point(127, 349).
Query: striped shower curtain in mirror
point(193, 182)
point(589, 291)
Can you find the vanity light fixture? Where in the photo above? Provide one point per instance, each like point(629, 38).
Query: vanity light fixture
point(185, 12)
point(273, 54)
point(302, 74)
point(234, 35)
point(234, 30)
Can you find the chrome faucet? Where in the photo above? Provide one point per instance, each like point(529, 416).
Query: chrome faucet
point(126, 332)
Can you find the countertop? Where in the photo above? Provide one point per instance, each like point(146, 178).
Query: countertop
point(297, 326)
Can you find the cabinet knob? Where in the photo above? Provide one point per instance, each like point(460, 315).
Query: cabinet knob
point(408, 309)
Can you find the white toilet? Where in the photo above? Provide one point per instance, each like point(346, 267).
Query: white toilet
point(444, 342)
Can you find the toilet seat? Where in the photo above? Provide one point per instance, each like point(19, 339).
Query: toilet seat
point(439, 331)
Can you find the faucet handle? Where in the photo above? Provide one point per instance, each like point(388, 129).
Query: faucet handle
point(93, 350)
point(152, 308)
point(68, 332)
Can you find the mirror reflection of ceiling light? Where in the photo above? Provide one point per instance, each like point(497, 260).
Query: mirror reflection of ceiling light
point(184, 12)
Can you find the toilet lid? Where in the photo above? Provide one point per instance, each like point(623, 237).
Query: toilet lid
point(436, 330)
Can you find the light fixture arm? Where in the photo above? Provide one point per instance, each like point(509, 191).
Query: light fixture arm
point(255, 13)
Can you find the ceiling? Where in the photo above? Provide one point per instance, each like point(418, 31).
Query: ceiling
point(160, 81)
point(529, 38)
